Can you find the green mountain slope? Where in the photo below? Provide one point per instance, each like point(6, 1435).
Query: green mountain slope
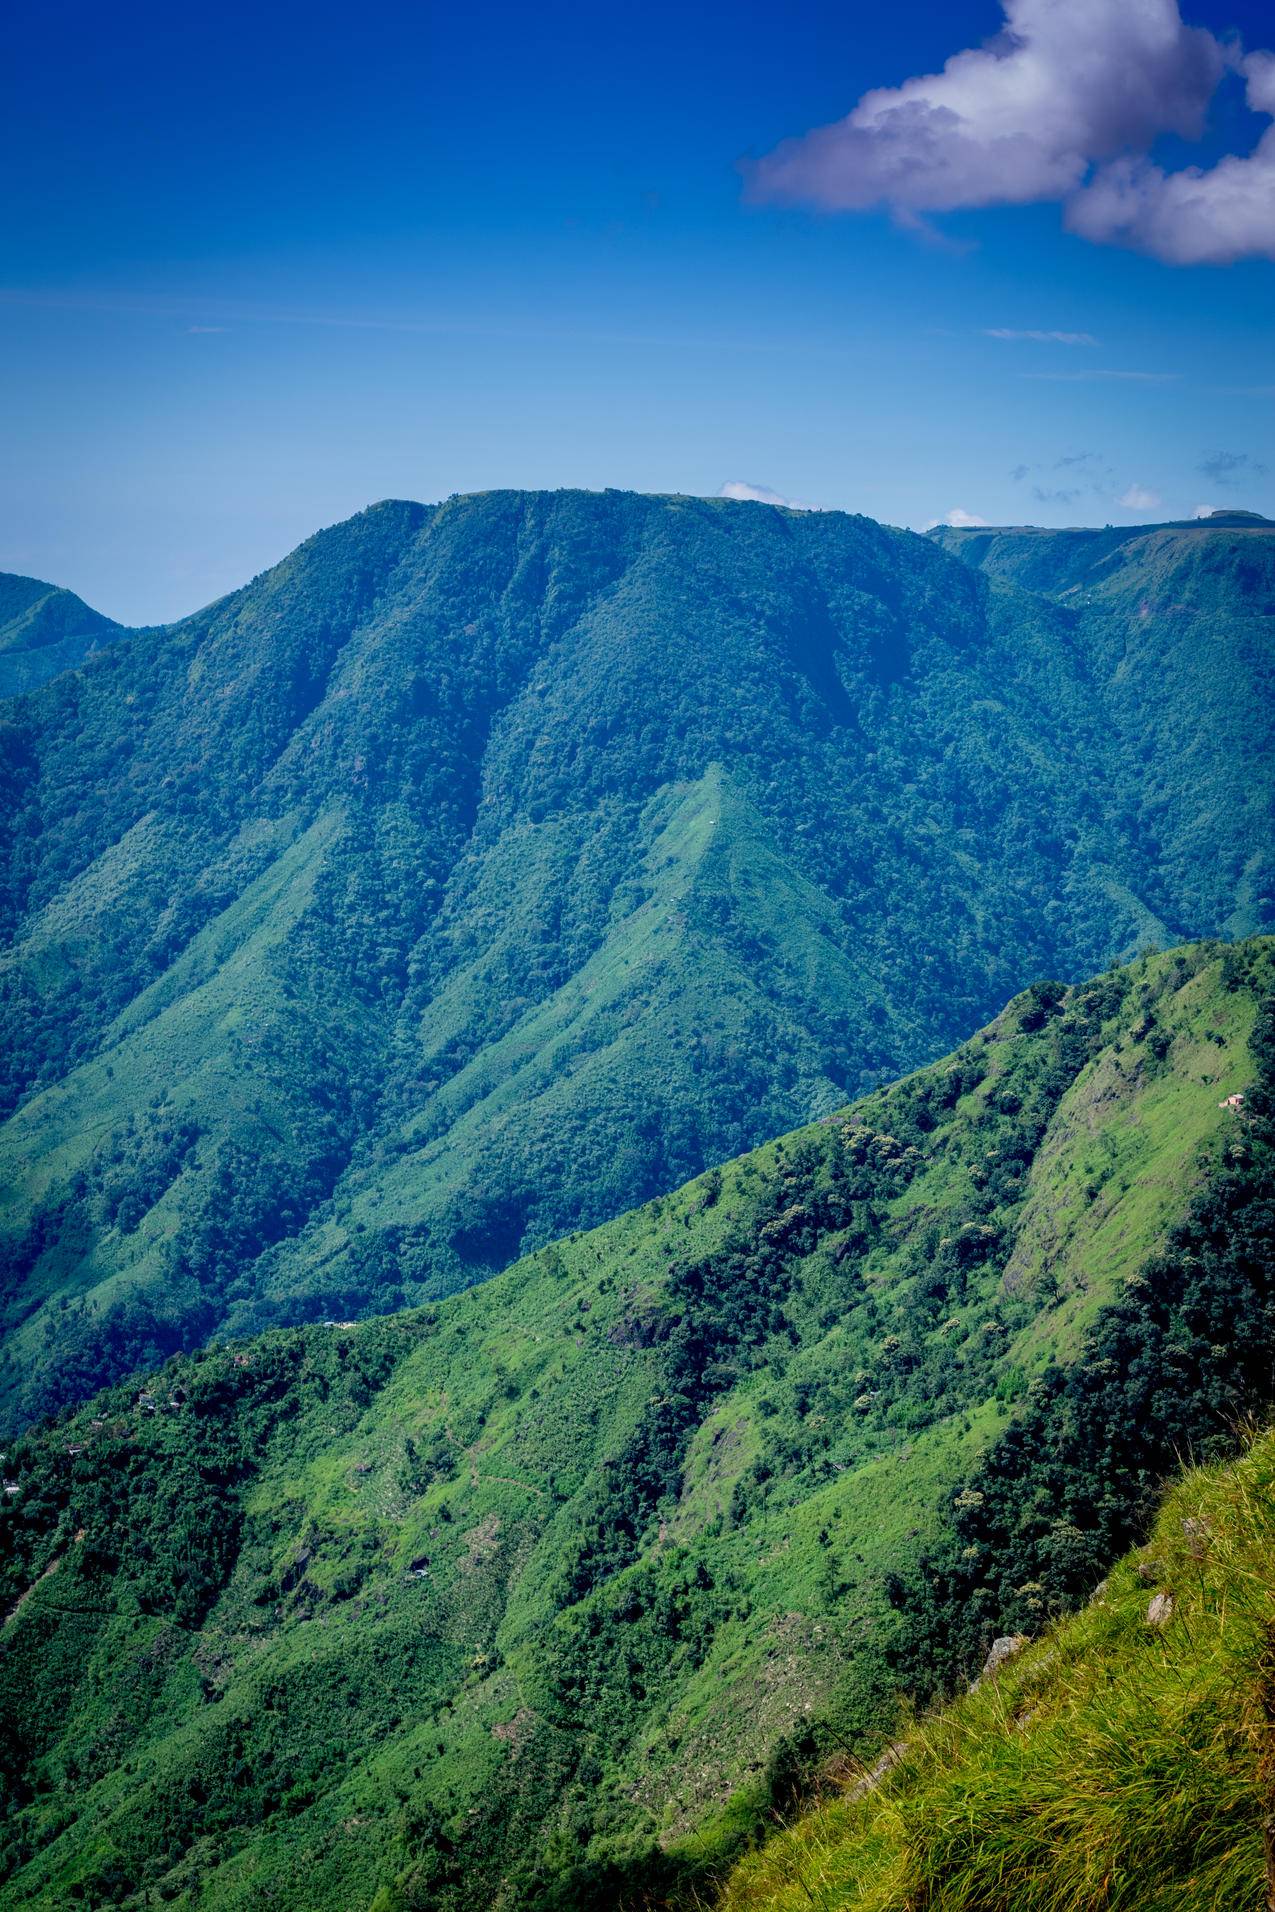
point(1177, 622)
point(44, 630)
point(1124, 1759)
point(487, 868)
point(536, 1598)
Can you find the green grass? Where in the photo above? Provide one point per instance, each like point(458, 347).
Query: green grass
point(1112, 1764)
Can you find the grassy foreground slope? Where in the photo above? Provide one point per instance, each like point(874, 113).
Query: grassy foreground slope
point(484, 869)
point(538, 1598)
point(1125, 1758)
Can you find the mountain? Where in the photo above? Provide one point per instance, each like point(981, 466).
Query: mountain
point(545, 1596)
point(44, 630)
point(1129, 1744)
point(487, 868)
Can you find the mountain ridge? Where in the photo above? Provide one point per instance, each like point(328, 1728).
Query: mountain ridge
point(1020, 1797)
point(298, 889)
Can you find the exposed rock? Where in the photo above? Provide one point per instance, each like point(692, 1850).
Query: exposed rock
point(515, 1732)
point(875, 1774)
point(1160, 1612)
point(1001, 1650)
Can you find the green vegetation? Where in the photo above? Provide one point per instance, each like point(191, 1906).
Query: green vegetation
point(549, 1595)
point(484, 870)
point(43, 631)
point(1176, 620)
point(1123, 1759)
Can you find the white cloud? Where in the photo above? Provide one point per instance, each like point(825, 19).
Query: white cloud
point(1204, 511)
point(763, 495)
point(1064, 104)
point(1138, 498)
point(1197, 216)
point(1039, 338)
point(958, 518)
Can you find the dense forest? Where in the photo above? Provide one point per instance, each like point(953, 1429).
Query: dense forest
point(487, 868)
point(550, 1594)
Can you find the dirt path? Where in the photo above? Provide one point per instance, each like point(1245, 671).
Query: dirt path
point(52, 1568)
point(506, 1480)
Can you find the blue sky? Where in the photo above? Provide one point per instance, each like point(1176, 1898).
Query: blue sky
point(261, 267)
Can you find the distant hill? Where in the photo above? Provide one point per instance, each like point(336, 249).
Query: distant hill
point(44, 630)
point(1059, 561)
point(548, 1596)
point(484, 869)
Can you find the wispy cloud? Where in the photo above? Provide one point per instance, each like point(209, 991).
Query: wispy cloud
point(243, 313)
point(1064, 104)
point(1098, 372)
point(1231, 468)
point(1064, 481)
point(763, 495)
point(1038, 338)
point(1066, 496)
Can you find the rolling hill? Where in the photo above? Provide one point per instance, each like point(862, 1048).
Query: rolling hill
point(545, 1595)
point(487, 868)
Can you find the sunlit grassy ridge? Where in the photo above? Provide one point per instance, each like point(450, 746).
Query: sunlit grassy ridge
point(1119, 1760)
point(542, 1597)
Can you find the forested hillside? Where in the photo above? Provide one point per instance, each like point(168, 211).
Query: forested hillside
point(1178, 622)
point(542, 1596)
point(484, 869)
